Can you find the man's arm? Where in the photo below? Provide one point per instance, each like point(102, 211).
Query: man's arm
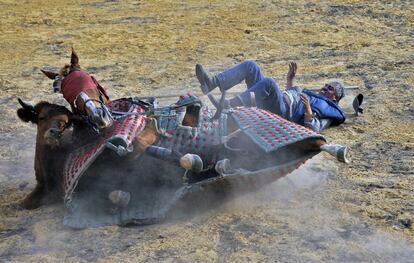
point(291, 75)
point(308, 115)
point(317, 124)
point(324, 123)
point(310, 120)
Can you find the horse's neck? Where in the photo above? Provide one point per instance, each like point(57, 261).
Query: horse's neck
point(49, 161)
point(83, 133)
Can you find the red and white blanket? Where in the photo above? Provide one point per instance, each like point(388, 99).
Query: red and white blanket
point(127, 128)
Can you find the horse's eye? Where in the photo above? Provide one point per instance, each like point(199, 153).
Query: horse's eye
point(62, 124)
point(41, 118)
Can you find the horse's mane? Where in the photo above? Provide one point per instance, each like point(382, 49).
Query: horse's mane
point(67, 69)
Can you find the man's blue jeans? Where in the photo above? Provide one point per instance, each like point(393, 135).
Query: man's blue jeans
point(267, 93)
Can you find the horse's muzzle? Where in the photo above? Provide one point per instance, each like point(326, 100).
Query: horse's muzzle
point(55, 137)
point(101, 118)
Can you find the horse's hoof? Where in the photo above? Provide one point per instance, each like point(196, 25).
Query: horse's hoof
point(339, 151)
point(120, 198)
point(16, 206)
point(29, 204)
point(191, 162)
point(342, 155)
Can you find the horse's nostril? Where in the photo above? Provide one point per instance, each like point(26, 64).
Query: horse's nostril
point(55, 132)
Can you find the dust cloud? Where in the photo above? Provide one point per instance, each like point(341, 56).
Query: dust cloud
point(344, 213)
point(300, 204)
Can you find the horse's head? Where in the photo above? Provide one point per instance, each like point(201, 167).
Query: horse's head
point(82, 91)
point(52, 122)
point(65, 71)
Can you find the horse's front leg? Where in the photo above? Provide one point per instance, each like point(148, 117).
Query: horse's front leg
point(35, 198)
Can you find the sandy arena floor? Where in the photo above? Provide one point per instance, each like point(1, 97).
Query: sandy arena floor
point(362, 212)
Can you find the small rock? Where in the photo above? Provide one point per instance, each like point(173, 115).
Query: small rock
point(406, 223)
point(23, 185)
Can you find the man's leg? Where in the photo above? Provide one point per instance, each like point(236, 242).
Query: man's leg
point(267, 95)
point(247, 70)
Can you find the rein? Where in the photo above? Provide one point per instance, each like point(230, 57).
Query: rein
point(124, 114)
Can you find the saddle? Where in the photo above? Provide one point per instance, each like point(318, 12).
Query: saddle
point(198, 139)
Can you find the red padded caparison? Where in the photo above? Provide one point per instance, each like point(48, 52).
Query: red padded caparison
point(76, 82)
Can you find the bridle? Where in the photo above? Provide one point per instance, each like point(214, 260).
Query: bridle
point(103, 106)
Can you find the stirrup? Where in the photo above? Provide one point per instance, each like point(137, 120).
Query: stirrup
point(119, 145)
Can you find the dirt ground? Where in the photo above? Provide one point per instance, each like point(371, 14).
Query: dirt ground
point(361, 212)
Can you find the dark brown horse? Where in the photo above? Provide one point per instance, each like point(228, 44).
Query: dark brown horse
point(52, 143)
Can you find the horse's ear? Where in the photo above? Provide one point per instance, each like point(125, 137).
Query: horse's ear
point(74, 59)
point(27, 112)
point(26, 115)
point(49, 74)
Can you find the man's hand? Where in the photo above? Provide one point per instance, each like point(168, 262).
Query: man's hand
point(291, 74)
point(308, 110)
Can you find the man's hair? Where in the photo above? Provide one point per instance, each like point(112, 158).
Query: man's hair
point(339, 88)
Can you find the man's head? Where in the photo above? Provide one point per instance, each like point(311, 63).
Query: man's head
point(334, 89)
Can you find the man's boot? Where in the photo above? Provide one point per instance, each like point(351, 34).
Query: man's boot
point(207, 83)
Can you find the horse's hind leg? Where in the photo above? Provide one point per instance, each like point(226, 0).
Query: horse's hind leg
point(340, 152)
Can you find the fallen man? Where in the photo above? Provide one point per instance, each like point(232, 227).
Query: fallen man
point(316, 111)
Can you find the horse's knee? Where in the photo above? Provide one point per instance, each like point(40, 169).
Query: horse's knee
point(34, 199)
